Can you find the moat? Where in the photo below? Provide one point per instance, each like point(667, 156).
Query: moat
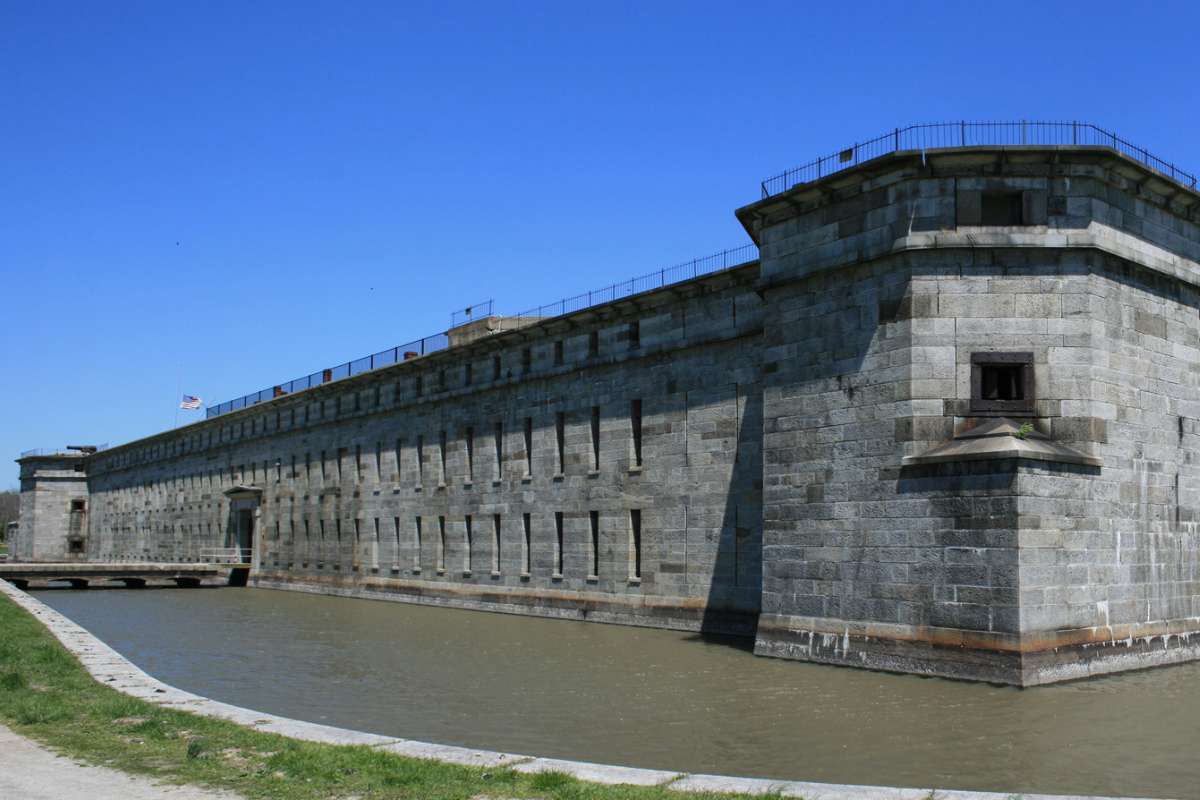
point(649, 698)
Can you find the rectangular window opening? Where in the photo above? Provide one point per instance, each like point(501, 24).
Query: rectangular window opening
point(496, 543)
point(468, 543)
point(635, 544)
point(469, 435)
point(635, 422)
point(442, 453)
point(594, 519)
point(558, 543)
point(560, 441)
point(1001, 208)
point(558, 353)
point(499, 447)
point(596, 438)
point(635, 334)
point(441, 543)
point(1002, 384)
point(527, 550)
point(528, 446)
point(593, 344)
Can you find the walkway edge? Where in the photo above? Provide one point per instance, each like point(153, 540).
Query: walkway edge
point(109, 667)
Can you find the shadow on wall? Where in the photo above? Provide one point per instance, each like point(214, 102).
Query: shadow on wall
point(735, 592)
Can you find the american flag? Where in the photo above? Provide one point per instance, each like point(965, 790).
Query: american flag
point(190, 403)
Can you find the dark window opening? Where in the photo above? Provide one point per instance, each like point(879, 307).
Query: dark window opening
point(441, 543)
point(560, 437)
point(593, 344)
point(467, 375)
point(1001, 208)
point(499, 445)
point(495, 368)
point(558, 545)
point(595, 523)
point(635, 335)
point(526, 567)
point(558, 353)
point(470, 437)
point(495, 543)
point(442, 454)
point(75, 546)
point(596, 437)
point(468, 543)
point(635, 420)
point(528, 446)
point(1002, 384)
point(635, 544)
point(526, 360)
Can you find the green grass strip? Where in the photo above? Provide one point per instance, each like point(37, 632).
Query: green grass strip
point(47, 695)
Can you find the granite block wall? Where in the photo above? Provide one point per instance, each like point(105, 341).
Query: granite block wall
point(606, 465)
point(879, 288)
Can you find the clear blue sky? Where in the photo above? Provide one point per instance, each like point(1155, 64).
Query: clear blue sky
point(221, 196)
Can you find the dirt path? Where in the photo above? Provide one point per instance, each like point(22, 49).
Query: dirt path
point(31, 772)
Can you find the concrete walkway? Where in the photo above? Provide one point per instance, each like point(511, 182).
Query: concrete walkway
point(31, 772)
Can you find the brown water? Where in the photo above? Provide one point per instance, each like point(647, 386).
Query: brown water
point(648, 698)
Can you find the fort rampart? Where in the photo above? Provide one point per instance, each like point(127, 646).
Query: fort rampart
point(948, 424)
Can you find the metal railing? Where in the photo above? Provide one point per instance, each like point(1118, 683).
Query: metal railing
point(225, 555)
point(384, 358)
point(57, 451)
point(971, 134)
point(717, 262)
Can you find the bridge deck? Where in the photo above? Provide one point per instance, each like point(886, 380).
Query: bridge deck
point(82, 574)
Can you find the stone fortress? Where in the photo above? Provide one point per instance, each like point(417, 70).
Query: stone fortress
point(947, 423)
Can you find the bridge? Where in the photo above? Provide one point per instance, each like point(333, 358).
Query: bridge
point(82, 575)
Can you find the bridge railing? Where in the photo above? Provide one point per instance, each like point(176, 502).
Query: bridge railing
point(225, 555)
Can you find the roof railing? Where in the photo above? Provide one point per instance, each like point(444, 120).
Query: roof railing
point(717, 262)
point(932, 136)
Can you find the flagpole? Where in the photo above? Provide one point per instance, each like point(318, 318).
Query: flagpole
point(178, 399)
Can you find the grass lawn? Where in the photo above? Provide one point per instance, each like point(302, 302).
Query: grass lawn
point(47, 695)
